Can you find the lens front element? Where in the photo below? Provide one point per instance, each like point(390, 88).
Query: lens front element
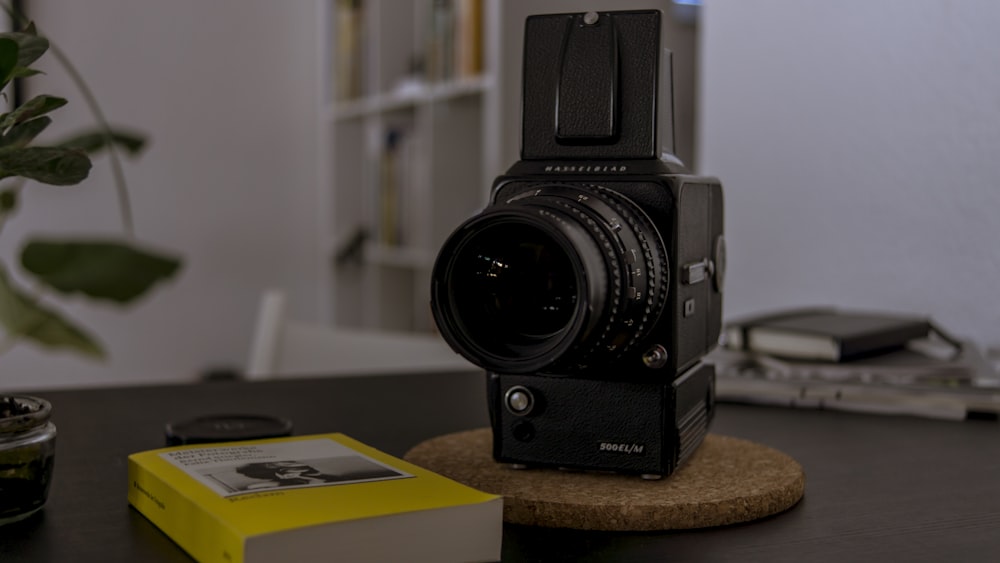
point(513, 279)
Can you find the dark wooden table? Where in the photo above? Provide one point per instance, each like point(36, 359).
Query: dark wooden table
point(877, 487)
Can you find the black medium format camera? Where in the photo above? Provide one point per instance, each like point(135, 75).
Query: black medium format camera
point(590, 288)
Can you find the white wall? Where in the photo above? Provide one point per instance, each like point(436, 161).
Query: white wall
point(227, 90)
point(859, 144)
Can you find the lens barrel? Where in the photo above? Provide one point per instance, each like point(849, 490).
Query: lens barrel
point(556, 279)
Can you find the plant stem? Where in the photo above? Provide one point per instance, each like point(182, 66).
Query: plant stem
point(125, 205)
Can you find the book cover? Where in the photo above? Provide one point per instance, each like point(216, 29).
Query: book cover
point(308, 498)
point(825, 334)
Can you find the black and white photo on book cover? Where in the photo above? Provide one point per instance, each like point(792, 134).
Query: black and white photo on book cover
point(235, 469)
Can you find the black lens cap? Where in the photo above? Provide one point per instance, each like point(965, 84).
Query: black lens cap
point(226, 428)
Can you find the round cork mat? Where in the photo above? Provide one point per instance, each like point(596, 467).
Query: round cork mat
point(726, 481)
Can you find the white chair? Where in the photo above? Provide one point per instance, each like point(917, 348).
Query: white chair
point(285, 348)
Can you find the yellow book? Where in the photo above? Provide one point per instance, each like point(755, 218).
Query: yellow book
point(322, 497)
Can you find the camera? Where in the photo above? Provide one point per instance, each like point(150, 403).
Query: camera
point(590, 287)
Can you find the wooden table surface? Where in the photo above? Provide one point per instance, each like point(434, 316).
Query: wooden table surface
point(877, 487)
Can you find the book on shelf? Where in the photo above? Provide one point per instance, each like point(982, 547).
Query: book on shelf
point(825, 334)
point(396, 176)
point(455, 40)
point(322, 497)
point(469, 38)
point(348, 63)
point(441, 41)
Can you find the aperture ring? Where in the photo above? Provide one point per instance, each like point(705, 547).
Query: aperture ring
point(634, 254)
point(591, 346)
point(654, 254)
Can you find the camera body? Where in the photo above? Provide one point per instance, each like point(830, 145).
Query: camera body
point(590, 288)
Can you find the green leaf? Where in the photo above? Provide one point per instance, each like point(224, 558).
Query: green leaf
point(30, 47)
point(8, 201)
point(22, 72)
point(39, 105)
point(22, 316)
point(8, 59)
point(94, 141)
point(49, 165)
point(23, 133)
point(109, 270)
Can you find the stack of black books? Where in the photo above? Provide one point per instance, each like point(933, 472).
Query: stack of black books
point(856, 361)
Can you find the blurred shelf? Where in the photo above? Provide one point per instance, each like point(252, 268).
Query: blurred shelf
point(404, 166)
point(409, 97)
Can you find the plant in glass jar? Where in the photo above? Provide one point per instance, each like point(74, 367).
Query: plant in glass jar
point(27, 454)
point(116, 270)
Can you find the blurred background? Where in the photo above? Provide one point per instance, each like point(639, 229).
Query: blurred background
point(325, 148)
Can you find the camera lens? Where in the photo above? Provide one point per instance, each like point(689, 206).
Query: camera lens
point(513, 278)
point(508, 289)
point(557, 279)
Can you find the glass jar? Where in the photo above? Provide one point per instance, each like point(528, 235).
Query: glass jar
point(27, 454)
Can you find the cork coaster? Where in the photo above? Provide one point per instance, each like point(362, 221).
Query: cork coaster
point(726, 481)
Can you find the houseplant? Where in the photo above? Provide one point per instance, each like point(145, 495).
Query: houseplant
point(117, 270)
